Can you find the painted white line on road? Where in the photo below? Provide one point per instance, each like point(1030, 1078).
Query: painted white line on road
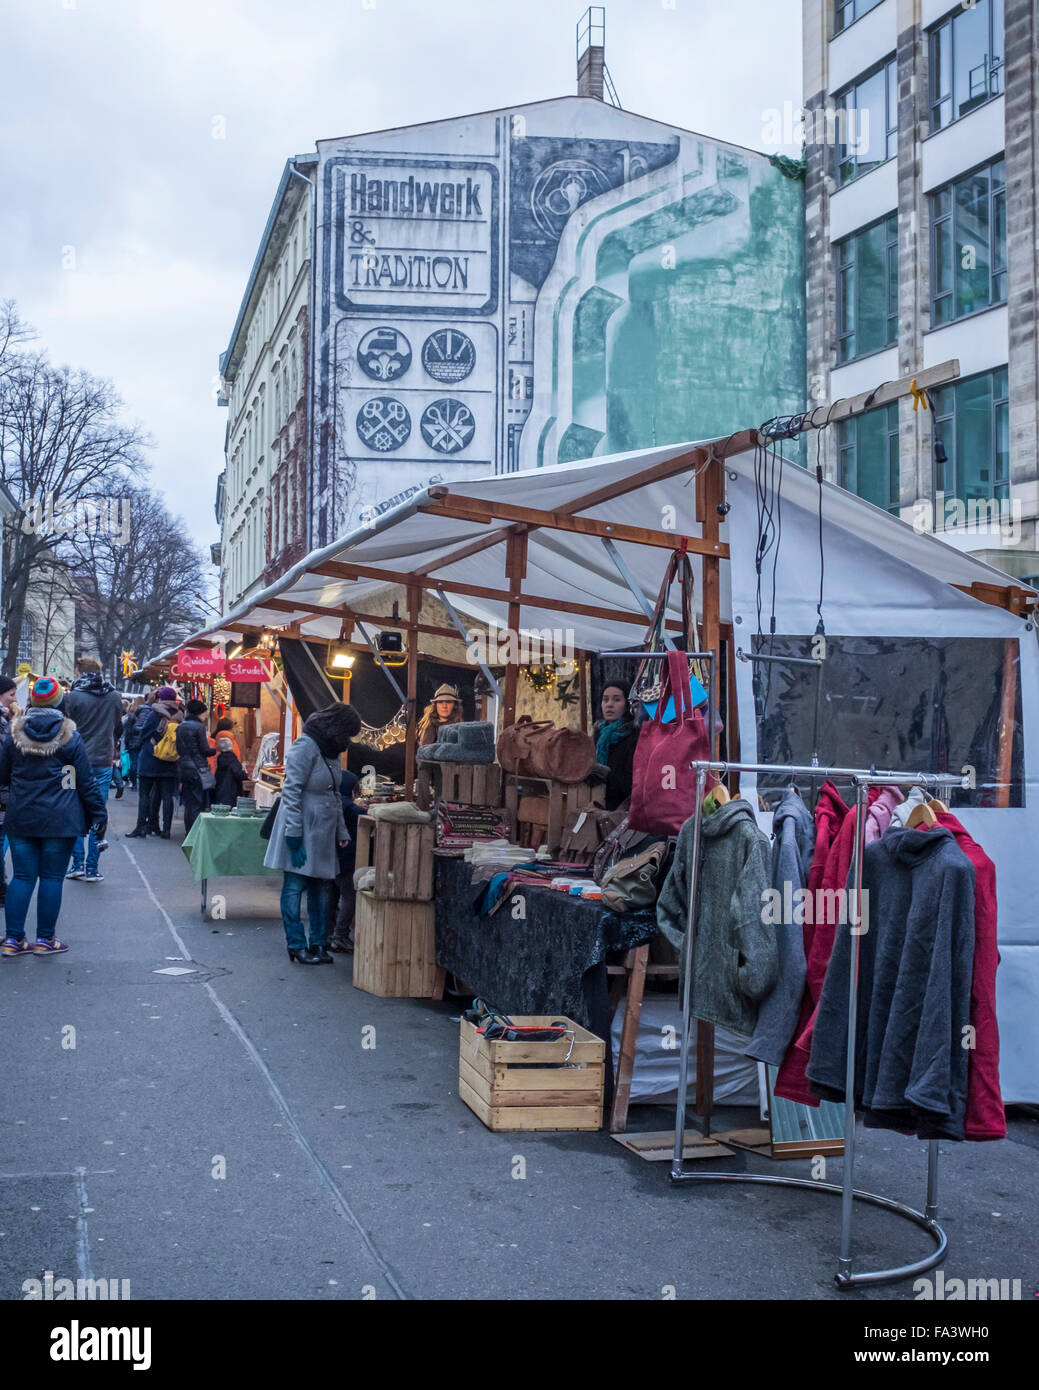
point(339, 1202)
point(82, 1233)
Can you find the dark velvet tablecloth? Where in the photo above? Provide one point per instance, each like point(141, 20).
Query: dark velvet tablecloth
point(552, 961)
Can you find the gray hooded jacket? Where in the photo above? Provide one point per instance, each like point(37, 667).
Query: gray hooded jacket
point(736, 960)
point(916, 967)
point(794, 832)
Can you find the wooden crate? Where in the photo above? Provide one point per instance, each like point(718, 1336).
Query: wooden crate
point(511, 1085)
point(393, 948)
point(548, 803)
point(472, 784)
point(402, 856)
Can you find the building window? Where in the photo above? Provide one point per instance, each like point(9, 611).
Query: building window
point(972, 421)
point(846, 12)
point(27, 639)
point(867, 447)
point(867, 290)
point(867, 120)
point(966, 65)
point(969, 244)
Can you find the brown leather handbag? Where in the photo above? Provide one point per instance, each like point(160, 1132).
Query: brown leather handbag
point(532, 748)
point(514, 744)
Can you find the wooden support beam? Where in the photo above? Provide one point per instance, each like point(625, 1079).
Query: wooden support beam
point(414, 604)
point(336, 569)
point(515, 573)
point(291, 606)
point(480, 511)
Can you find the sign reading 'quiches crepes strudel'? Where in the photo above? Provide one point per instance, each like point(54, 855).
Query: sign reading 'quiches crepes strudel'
point(415, 234)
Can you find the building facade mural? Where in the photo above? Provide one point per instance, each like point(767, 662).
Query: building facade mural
point(560, 281)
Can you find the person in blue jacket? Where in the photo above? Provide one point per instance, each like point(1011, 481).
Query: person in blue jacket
point(53, 799)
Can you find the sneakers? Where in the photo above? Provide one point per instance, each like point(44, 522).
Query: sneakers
point(76, 873)
point(92, 878)
point(47, 947)
point(16, 946)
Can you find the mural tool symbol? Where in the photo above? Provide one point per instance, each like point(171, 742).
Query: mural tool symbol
point(448, 355)
point(384, 354)
point(383, 424)
point(447, 426)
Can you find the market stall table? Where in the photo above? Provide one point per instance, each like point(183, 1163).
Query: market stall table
point(225, 847)
point(551, 960)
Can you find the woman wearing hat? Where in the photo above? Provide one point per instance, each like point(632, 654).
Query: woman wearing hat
point(47, 811)
point(444, 708)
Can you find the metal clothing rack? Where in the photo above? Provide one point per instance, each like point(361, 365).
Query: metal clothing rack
point(927, 1219)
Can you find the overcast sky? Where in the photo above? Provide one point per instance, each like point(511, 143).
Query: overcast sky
point(108, 110)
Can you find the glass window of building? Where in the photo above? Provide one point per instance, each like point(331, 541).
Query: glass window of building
point(969, 244)
point(867, 122)
point(867, 448)
point(966, 61)
point(26, 639)
point(867, 290)
point(972, 422)
point(846, 12)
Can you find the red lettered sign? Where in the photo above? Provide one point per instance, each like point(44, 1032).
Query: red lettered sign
point(248, 668)
point(198, 661)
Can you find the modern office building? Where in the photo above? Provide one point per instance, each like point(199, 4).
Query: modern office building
point(920, 204)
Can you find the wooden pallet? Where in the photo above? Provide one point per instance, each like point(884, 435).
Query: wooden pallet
point(472, 784)
point(394, 955)
point(402, 856)
point(522, 1086)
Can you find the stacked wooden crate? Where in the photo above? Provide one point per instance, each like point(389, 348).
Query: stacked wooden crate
point(539, 807)
point(393, 925)
point(471, 784)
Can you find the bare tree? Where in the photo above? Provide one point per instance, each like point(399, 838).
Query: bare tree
point(61, 442)
point(137, 581)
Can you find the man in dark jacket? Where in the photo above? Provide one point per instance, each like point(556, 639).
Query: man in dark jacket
point(194, 749)
point(96, 708)
point(156, 777)
point(53, 797)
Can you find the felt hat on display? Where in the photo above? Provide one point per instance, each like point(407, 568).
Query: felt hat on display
point(46, 692)
point(461, 743)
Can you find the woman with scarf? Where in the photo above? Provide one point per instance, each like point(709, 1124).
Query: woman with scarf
point(309, 828)
point(615, 738)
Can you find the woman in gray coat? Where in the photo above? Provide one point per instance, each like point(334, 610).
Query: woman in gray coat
point(309, 826)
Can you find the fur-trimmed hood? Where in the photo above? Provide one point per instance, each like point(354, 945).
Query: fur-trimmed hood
point(166, 708)
point(42, 731)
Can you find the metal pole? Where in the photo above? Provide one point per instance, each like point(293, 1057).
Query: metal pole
point(385, 669)
point(687, 975)
point(870, 777)
point(640, 598)
point(465, 637)
point(858, 923)
point(931, 1209)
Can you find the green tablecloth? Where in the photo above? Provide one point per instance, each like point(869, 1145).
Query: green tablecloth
point(226, 847)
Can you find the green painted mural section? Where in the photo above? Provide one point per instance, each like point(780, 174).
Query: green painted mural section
point(696, 325)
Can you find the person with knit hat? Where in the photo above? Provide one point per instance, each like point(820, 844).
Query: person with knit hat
point(8, 710)
point(444, 708)
point(96, 708)
point(52, 800)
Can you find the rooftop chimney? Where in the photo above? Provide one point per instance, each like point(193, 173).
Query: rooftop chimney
point(591, 52)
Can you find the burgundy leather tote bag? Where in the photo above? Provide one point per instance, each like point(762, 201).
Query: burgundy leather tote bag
point(663, 791)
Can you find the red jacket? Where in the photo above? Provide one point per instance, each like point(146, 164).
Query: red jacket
point(985, 1117)
point(831, 811)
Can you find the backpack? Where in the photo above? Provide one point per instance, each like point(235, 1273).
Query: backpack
point(632, 884)
point(166, 746)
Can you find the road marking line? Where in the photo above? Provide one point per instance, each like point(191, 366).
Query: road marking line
point(82, 1232)
point(342, 1206)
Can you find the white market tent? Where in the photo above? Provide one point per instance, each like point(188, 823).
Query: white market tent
point(533, 551)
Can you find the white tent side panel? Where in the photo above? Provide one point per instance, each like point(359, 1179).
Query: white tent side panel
point(872, 592)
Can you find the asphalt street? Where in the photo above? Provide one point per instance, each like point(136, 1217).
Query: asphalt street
point(232, 1133)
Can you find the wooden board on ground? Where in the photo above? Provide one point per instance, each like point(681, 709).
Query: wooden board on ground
point(658, 1146)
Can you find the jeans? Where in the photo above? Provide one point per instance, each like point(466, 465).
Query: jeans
point(103, 778)
point(292, 889)
point(45, 860)
point(117, 776)
point(153, 792)
point(195, 800)
point(342, 901)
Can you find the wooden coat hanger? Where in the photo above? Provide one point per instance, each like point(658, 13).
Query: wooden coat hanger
point(938, 806)
point(921, 815)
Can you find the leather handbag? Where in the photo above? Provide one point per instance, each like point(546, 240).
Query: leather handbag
point(663, 788)
point(633, 884)
point(532, 748)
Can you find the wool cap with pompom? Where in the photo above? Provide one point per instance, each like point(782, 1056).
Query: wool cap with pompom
point(46, 692)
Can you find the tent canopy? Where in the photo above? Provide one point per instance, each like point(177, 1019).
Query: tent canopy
point(427, 540)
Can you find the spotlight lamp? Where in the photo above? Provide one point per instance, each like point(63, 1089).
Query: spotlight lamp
point(391, 648)
point(339, 661)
